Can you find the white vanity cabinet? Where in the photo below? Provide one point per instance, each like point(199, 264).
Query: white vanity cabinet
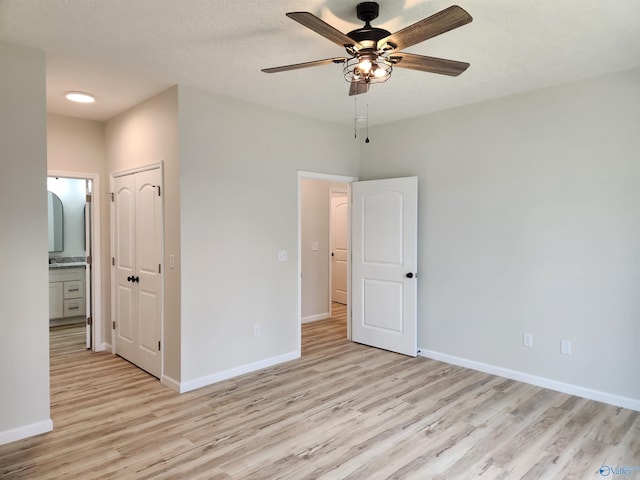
point(56, 297)
point(66, 292)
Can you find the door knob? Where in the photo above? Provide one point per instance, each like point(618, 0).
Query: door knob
point(129, 279)
point(136, 279)
point(409, 275)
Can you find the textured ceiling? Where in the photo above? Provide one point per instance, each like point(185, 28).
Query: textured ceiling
point(125, 51)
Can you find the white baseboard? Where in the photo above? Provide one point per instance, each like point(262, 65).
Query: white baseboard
point(571, 389)
point(26, 431)
point(171, 383)
point(101, 347)
point(234, 372)
point(315, 318)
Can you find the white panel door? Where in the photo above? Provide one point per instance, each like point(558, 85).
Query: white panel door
point(384, 263)
point(138, 279)
point(148, 259)
point(339, 247)
point(124, 254)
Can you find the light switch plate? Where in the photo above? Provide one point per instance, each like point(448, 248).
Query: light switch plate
point(314, 246)
point(282, 255)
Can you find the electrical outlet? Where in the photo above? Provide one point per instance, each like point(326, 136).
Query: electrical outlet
point(527, 340)
point(565, 347)
point(256, 330)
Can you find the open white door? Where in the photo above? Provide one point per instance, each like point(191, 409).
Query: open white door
point(339, 239)
point(384, 264)
point(88, 243)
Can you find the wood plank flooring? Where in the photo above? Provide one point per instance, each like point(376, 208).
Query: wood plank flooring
point(342, 411)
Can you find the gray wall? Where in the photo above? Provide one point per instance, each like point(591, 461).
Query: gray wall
point(76, 145)
point(239, 207)
point(144, 135)
point(529, 222)
point(24, 341)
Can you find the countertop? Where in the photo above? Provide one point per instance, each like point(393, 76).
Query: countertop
point(57, 266)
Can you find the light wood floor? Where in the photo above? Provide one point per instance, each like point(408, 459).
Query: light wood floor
point(342, 411)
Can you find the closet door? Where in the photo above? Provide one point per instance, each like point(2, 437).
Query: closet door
point(138, 258)
point(148, 260)
point(124, 254)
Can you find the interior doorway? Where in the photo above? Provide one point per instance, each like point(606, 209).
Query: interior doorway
point(320, 273)
point(74, 253)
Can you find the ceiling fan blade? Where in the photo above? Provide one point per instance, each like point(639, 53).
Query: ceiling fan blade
point(428, 64)
point(441, 22)
point(296, 66)
point(312, 22)
point(356, 88)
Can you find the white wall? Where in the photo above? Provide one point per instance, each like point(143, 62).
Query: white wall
point(239, 187)
point(315, 206)
point(144, 135)
point(24, 341)
point(529, 223)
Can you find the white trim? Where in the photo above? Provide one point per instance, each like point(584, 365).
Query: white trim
point(232, 372)
point(328, 177)
point(96, 266)
point(26, 431)
point(571, 389)
point(316, 317)
point(141, 168)
point(104, 347)
point(171, 383)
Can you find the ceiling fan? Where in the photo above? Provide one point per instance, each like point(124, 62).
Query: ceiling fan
point(373, 52)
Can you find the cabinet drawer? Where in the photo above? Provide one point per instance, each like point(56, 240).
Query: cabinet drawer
point(73, 289)
point(73, 307)
point(65, 274)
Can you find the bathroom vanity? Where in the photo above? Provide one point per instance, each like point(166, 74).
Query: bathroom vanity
point(66, 291)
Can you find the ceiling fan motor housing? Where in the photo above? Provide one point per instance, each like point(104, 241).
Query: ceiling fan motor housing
point(367, 11)
point(368, 36)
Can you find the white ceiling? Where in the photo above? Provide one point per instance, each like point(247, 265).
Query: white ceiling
point(125, 51)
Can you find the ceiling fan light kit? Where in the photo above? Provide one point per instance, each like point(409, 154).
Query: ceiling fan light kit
point(373, 52)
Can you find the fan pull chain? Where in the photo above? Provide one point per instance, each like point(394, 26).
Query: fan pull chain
point(355, 116)
point(367, 139)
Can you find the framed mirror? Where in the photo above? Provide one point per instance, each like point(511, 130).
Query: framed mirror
point(56, 230)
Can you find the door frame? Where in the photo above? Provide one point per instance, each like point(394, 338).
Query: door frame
point(328, 177)
point(96, 258)
point(122, 173)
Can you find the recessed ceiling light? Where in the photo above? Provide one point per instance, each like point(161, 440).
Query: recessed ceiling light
point(80, 97)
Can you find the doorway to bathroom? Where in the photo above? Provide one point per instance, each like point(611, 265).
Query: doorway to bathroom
point(74, 260)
